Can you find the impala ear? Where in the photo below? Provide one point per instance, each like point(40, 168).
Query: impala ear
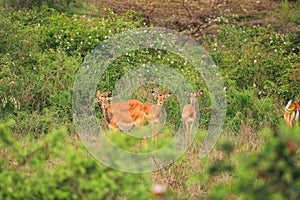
point(98, 93)
point(167, 95)
point(154, 93)
point(110, 98)
point(186, 92)
point(199, 93)
point(106, 93)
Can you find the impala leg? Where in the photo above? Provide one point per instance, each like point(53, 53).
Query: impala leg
point(292, 116)
point(144, 141)
point(139, 147)
point(191, 127)
point(297, 117)
point(153, 133)
point(186, 126)
point(157, 132)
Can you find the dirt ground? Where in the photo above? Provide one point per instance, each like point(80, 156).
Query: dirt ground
point(203, 17)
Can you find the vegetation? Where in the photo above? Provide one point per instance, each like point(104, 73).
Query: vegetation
point(42, 46)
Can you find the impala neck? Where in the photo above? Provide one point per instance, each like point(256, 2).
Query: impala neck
point(193, 104)
point(193, 107)
point(108, 116)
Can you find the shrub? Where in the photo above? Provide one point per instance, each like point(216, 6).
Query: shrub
point(40, 54)
point(273, 172)
point(67, 6)
point(257, 58)
point(58, 167)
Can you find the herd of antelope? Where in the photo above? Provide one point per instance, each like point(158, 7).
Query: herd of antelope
point(126, 115)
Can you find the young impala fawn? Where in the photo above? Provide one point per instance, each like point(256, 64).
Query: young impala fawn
point(189, 112)
point(122, 120)
point(153, 112)
point(292, 113)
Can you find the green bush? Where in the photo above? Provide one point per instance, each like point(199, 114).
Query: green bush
point(59, 167)
point(273, 172)
point(41, 52)
point(67, 6)
point(257, 64)
point(257, 58)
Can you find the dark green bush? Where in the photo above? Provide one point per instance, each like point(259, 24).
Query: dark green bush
point(41, 52)
point(273, 172)
point(59, 167)
point(67, 6)
point(258, 59)
point(257, 64)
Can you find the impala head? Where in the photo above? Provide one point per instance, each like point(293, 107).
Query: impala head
point(193, 95)
point(101, 95)
point(160, 97)
point(105, 102)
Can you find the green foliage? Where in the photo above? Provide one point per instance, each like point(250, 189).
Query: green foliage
point(58, 167)
point(41, 52)
point(67, 6)
point(274, 172)
point(257, 64)
point(290, 11)
point(38, 71)
point(257, 58)
point(276, 169)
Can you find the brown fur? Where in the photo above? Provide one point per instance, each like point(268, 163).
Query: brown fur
point(153, 112)
point(291, 113)
point(122, 120)
point(189, 112)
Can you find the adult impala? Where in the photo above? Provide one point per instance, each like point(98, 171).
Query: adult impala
point(122, 120)
point(131, 104)
point(153, 112)
point(189, 111)
point(292, 113)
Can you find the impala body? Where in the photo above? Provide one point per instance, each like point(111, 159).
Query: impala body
point(292, 113)
point(189, 112)
point(153, 111)
point(122, 120)
point(131, 104)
